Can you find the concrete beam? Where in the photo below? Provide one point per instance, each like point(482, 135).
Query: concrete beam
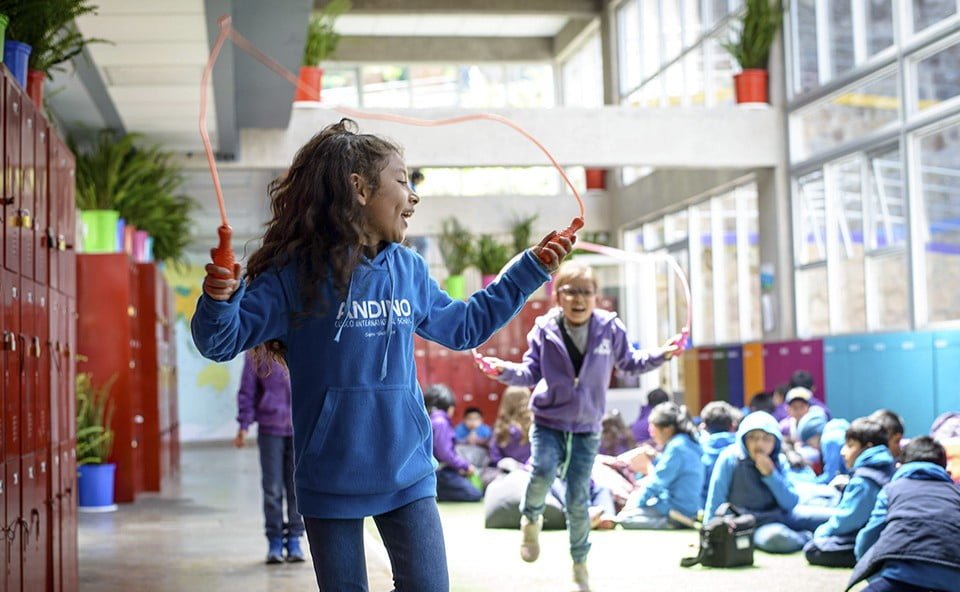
point(571, 35)
point(80, 101)
point(359, 49)
point(510, 7)
point(722, 138)
point(228, 134)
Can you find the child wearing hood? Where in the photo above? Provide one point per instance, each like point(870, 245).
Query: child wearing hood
point(751, 476)
point(719, 420)
point(825, 438)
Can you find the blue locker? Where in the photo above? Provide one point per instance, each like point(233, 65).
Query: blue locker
point(841, 355)
point(735, 389)
point(946, 371)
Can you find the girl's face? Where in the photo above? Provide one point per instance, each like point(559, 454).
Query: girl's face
point(661, 435)
point(389, 208)
point(577, 299)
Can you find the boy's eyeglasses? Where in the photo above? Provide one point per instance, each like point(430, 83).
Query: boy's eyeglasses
point(571, 293)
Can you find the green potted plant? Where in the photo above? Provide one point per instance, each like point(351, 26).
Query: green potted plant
point(754, 32)
point(322, 40)
point(457, 250)
point(47, 27)
point(522, 230)
point(94, 444)
point(491, 256)
point(139, 183)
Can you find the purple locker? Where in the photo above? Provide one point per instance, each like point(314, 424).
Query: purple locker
point(782, 358)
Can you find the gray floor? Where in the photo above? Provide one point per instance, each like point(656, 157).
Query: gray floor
point(205, 534)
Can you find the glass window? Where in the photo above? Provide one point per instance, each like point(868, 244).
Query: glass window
point(650, 39)
point(696, 77)
point(691, 22)
point(483, 86)
point(879, 25)
point(938, 77)
point(853, 113)
point(808, 76)
point(435, 86)
point(849, 237)
point(720, 69)
point(582, 76)
point(811, 222)
point(530, 85)
point(929, 12)
point(888, 290)
point(940, 180)
point(813, 311)
point(888, 208)
point(728, 243)
point(340, 87)
point(718, 10)
point(670, 31)
point(675, 227)
point(628, 39)
point(703, 289)
point(673, 78)
point(653, 235)
point(386, 86)
point(841, 37)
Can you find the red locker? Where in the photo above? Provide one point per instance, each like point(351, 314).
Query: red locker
point(3, 513)
point(28, 373)
point(69, 386)
point(11, 174)
point(54, 503)
point(43, 353)
point(14, 534)
point(153, 394)
point(68, 253)
point(54, 365)
point(32, 536)
point(68, 511)
point(41, 213)
point(55, 209)
point(11, 369)
point(27, 174)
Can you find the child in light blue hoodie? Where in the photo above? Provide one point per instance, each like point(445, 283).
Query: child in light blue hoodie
point(866, 454)
point(719, 420)
point(332, 283)
point(752, 476)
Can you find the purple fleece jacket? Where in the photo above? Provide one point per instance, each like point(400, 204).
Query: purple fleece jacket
point(264, 397)
point(565, 402)
point(512, 449)
point(444, 439)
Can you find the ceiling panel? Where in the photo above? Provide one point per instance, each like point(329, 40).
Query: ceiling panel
point(151, 53)
point(145, 27)
point(157, 76)
point(466, 25)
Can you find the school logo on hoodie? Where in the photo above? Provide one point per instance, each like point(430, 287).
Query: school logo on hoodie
point(603, 349)
point(373, 314)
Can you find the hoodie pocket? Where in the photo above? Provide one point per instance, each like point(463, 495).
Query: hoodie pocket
point(367, 441)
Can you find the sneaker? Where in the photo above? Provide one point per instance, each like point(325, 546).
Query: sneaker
point(530, 548)
point(294, 552)
point(275, 551)
point(581, 579)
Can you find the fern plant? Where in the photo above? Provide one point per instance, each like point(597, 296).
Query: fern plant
point(141, 182)
point(322, 39)
point(522, 230)
point(755, 31)
point(94, 416)
point(456, 246)
point(491, 255)
point(47, 26)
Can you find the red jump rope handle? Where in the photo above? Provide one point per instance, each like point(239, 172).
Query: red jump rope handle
point(223, 253)
point(575, 225)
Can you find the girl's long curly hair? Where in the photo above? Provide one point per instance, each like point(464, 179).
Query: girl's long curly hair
point(514, 410)
point(317, 221)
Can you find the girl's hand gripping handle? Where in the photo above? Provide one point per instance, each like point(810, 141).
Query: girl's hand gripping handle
point(557, 245)
point(223, 254)
point(223, 275)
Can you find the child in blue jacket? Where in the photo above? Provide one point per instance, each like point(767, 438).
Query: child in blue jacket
point(332, 282)
point(669, 495)
point(910, 541)
point(866, 454)
point(826, 437)
point(752, 476)
point(719, 420)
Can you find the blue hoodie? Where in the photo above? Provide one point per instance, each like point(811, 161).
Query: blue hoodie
point(859, 495)
point(362, 438)
point(712, 445)
point(676, 480)
point(736, 478)
point(832, 439)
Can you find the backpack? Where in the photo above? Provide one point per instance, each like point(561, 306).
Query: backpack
point(726, 540)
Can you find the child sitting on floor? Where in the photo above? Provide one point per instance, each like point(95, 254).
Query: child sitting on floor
point(719, 421)
point(472, 430)
point(453, 471)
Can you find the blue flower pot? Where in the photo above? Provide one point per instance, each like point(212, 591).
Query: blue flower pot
point(95, 486)
point(15, 56)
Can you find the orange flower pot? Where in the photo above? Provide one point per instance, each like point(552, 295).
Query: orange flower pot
point(751, 86)
point(311, 81)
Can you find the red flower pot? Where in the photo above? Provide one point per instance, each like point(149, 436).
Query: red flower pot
point(311, 81)
point(596, 178)
point(751, 86)
point(35, 80)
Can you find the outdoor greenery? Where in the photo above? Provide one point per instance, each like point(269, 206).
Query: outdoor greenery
point(47, 26)
point(755, 31)
point(139, 181)
point(456, 246)
point(322, 39)
point(94, 415)
point(491, 255)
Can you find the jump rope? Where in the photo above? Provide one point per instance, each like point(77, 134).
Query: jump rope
point(223, 255)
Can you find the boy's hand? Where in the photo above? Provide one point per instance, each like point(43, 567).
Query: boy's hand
point(239, 439)
point(764, 464)
point(220, 283)
point(553, 249)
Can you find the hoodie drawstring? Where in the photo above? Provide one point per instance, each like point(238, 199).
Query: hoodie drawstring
point(386, 351)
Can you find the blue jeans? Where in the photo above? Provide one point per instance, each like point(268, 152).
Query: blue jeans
point(412, 535)
point(549, 450)
point(454, 487)
point(790, 531)
point(276, 470)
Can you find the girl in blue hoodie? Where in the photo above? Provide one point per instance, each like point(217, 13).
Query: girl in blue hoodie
point(572, 352)
point(333, 284)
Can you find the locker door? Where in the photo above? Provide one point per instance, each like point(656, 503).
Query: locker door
point(11, 175)
point(28, 374)
point(54, 521)
point(68, 263)
point(3, 515)
point(14, 535)
point(55, 210)
point(28, 206)
point(41, 213)
point(11, 370)
point(69, 533)
point(42, 353)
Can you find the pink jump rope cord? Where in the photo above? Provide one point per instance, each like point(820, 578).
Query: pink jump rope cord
point(227, 31)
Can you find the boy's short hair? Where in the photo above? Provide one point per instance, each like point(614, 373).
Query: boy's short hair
point(439, 396)
point(866, 431)
point(470, 410)
point(657, 396)
point(763, 401)
point(573, 270)
point(924, 449)
point(719, 416)
point(891, 422)
point(802, 378)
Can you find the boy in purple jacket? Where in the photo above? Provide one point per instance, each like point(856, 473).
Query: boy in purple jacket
point(572, 352)
point(453, 484)
point(264, 398)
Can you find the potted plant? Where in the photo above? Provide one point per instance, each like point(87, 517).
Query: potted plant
point(118, 177)
point(755, 31)
point(522, 230)
point(456, 248)
point(322, 40)
point(94, 444)
point(47, 27)
point(491, 256)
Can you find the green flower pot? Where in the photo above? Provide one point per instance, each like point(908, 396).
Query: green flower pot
point(100, 230)
point(456, 286)
point(4, 21)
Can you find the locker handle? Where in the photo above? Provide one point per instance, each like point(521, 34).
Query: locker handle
point(23, 219)
point(36, 347)
point(61, 242)
point(8, 200)
point(9, 341)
